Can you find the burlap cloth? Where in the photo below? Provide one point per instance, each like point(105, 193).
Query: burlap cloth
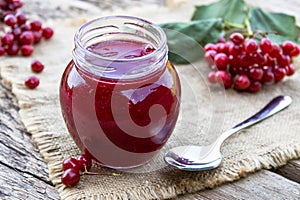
point(205, 112)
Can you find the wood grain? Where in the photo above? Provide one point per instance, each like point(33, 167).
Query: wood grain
point(23, 173)
point(290, 171)
point(261, 185)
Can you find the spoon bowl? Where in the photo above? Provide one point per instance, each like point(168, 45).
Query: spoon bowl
point(196, 158)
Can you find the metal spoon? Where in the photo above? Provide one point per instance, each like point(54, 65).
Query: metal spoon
point(196, 158)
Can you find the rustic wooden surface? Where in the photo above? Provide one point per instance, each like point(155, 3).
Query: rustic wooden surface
point(24, 174)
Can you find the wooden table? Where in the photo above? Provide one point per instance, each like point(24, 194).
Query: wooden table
point(24, 174)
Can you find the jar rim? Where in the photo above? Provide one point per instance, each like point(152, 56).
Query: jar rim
point(158, 50)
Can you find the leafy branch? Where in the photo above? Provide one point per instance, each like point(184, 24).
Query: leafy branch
point(211, 21)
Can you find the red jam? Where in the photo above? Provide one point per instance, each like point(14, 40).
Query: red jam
point(122, 121)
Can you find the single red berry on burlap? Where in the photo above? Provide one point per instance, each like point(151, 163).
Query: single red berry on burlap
point(7, 39)
point(71, 163)
point(26, 37)
point(70, 177)
point(47, 33)
point(26, 49)
point(12, 50)
point(32, 82)
point(85, 162)
point(37, 66)
point(10, 20)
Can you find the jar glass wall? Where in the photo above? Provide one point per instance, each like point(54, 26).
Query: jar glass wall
point(119, 95)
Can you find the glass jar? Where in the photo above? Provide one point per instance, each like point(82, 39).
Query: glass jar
point(119, 95)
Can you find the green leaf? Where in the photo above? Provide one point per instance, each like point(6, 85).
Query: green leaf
point(186, 40)
point(282, 24)
point(233, 12)
point(279, 39)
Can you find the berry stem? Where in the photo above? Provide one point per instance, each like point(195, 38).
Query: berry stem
point(248, 27)
point(97, 173)
point(229, 25)
point(259, 35)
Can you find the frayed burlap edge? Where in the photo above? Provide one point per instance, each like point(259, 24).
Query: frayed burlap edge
point(274, 159)
point(52, 155)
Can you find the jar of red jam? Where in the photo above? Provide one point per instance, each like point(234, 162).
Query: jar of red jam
point(120, 95)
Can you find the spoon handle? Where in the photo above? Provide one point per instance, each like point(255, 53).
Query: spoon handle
point(274, 106)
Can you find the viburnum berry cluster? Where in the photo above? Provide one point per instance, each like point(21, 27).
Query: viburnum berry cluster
point(9, 7)
point(245, 64)
point(72, 168)
point(20, 34)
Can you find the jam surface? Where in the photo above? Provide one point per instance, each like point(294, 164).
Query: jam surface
point(119, 49)
point(122, 123)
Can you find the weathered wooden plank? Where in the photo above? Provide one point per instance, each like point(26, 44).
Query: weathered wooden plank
point(16, 184)
point(290, 171)
point(261, 185)
point(23, 173)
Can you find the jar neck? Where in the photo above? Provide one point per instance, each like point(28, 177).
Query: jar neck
point(120, 28)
